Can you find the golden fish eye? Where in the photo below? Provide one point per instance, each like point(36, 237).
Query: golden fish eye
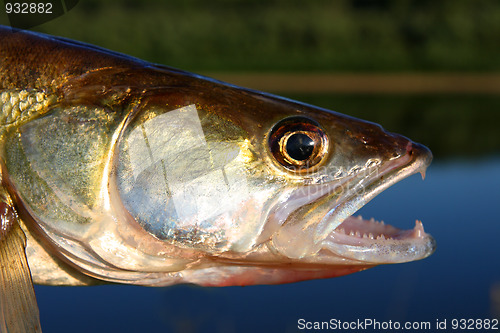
point(298, 144)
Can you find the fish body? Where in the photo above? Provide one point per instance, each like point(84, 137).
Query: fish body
point(118, 170)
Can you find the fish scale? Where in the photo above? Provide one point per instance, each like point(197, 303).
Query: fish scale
point(18, 106)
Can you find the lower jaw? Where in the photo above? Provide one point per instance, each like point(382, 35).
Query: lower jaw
point(373, 242)
point(361, 232)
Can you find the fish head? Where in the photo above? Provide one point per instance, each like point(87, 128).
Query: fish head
point(255, 180)
point(187, 179)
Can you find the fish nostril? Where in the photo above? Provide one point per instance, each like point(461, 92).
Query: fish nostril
point(419, 151)
point(409, 148)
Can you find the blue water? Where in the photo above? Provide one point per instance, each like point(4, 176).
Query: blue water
point(459, 205)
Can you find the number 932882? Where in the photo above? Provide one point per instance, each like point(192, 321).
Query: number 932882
point(474, 324)
point(28, 8)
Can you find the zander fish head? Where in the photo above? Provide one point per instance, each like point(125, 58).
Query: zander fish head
point(207, 183)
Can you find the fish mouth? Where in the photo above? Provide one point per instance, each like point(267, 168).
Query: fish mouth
point(329, 233)
point(370, 241)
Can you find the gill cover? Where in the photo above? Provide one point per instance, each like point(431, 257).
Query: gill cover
point(148, 185)
point(181, 174)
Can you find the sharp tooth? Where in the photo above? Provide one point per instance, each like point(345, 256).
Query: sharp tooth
point(370, 235)
point(382, 223)
point(358, 234)
point(351, 233)
point(360, 218)
point(341, 231)
point(372, 220)
point(422, 172)
point(419, 228)
point(382, 237)
point(365, 236)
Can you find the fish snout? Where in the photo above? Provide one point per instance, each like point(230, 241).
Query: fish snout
point(420, 153)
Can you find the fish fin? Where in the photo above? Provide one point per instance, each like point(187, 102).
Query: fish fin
point(18, 307)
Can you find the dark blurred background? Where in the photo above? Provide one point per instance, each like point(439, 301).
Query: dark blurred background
point(294, 35)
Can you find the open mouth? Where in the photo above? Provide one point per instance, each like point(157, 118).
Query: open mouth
point(334, 234)
point(376, 242)
point(359, 232)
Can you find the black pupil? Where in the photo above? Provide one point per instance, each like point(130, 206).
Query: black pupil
point(299, 146)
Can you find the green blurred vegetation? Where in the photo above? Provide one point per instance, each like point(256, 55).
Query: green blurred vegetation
point(293, 35)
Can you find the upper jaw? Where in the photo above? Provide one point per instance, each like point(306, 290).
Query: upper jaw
point(319, 232)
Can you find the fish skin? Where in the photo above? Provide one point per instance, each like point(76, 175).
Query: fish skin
point(71, 111)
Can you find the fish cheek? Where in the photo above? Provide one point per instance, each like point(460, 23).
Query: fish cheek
point(181, 176)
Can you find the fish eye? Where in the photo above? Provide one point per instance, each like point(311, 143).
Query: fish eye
point(299, 146)
point(298, 143)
